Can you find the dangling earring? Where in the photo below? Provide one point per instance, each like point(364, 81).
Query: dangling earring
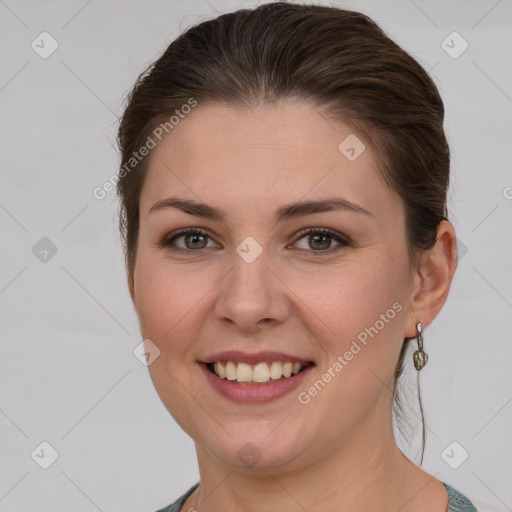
point(419, 357)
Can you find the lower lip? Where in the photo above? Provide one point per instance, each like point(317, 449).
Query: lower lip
point(254, 393)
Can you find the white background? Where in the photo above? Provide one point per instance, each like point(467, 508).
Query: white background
point(67, 372)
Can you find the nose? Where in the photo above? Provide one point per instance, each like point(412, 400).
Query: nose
point(251, 296)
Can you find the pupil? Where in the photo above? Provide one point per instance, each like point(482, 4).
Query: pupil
point(196, 240)
point(321, 241)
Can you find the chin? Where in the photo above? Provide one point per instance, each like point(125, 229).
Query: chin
point(255, 449)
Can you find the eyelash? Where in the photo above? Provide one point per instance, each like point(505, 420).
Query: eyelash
point(338, 237)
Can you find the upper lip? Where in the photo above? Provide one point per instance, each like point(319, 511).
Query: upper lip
point(253, 358)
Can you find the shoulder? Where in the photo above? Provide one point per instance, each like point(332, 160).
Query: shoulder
point(457, 502)
point(176, 506)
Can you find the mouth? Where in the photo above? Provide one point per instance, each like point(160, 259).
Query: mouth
point(261, 373)
point(255, 378)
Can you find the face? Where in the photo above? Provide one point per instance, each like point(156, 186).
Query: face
point(294, 253)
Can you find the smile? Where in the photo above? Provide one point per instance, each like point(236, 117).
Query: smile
point(254, 377)
point(257, 374)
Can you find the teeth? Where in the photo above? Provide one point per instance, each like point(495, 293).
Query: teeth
point(276, 370)
point(243, 373)
point(287, 369)
point(219, 370)
point(259, 373)
point(296, 368)
point(230, 370)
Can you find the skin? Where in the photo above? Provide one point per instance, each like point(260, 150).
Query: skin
point(338, 451)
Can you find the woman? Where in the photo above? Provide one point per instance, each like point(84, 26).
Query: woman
point(283, 208)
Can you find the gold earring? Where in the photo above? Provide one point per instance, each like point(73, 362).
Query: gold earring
point(419, 357)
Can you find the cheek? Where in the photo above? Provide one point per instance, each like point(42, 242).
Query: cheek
point(361, 306)
point(359, 311)
point(352, 296)
point(166, 302)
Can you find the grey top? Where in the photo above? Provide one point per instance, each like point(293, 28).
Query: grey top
point(456, 501)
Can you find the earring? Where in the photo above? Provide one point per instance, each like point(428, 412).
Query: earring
point(419, 357)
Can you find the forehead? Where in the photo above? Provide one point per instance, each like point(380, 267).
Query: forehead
point(261, 156)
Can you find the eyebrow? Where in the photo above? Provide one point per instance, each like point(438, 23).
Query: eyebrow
point(286, 212)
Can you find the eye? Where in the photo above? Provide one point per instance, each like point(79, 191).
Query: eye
point(188, 240)
point(320, 240)
point(313, 240)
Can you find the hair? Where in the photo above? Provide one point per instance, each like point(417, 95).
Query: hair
point(339, 61)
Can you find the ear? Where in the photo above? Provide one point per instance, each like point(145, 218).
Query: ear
point(432, 279)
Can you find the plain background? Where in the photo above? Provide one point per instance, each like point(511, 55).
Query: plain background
point(68, 375)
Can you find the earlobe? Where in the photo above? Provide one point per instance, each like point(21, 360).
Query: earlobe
point(433, 278)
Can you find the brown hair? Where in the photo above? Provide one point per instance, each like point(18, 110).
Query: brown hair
point(337, 60)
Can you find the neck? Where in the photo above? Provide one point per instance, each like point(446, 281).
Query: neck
point(366, 471)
